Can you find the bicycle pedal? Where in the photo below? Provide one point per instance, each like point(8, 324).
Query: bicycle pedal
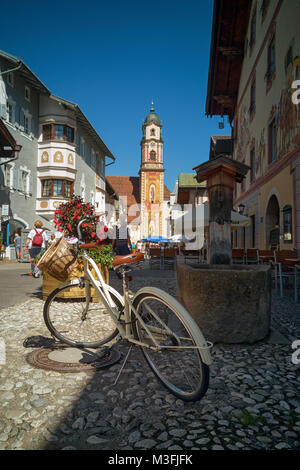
point(103, 352)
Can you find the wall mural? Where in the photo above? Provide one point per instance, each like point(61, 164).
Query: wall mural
point(243, 134)
point(260, 154)
point(287, 118)
point(288, 115)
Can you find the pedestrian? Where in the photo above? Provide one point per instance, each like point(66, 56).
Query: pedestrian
point(17, 243)
point(121, 243)
point(52, 239)
point(35, 242)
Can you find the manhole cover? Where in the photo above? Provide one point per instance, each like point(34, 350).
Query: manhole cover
point(62, 358)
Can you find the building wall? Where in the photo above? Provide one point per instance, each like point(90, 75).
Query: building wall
point(84, 165)
point(273, 104)
point(21, 199)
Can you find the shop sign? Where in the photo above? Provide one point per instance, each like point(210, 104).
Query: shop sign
point(5, 209)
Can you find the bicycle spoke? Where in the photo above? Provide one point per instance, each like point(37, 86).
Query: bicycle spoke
point(76, 321)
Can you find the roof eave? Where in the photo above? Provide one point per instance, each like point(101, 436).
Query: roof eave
point(82, 119)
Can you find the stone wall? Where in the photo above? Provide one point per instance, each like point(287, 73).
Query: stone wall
point(231, 304)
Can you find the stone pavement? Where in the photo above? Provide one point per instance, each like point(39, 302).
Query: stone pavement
point(252, 402)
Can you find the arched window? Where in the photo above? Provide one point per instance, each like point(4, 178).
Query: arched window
point(152, 131)
point(152, 155)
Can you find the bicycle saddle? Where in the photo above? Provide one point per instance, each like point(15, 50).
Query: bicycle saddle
point(132, 258)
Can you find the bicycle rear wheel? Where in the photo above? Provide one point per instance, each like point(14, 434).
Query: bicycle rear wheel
point(78, 322)
point(178, 364)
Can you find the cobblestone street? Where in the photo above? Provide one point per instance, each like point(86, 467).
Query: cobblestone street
point(252, 401)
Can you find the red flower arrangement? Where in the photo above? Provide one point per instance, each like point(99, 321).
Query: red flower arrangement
point(69, 214)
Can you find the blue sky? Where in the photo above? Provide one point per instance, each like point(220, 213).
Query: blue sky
point(113, 58)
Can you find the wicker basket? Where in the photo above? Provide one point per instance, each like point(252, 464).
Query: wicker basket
point(49, 284)
point(59, 260)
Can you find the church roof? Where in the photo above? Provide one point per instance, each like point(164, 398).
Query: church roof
point(128, 186)
point(152, 117)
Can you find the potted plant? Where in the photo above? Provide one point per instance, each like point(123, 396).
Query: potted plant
point(66, 219)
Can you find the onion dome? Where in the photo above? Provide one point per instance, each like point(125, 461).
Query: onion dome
point(152, 117)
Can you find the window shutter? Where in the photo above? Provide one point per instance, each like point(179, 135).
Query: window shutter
point(15, 177)
point(3, 110)
point(30, 184)
point(19, 182)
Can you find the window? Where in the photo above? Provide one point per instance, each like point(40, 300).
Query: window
point(287, 224)
point(47, 132)
point(68, 188)
point(58, 132)
point(252, 166)
point(27, 93)
point(24, 181)
point(26, 124)
point(46, 188)
point(57, 188)
point(271, 60)
point(69, 134)
point(10, 79)
point(9, 112)
point(152, 131)
point(272, 142)
point(82, 148)
point(7, 175)
point(152, 155)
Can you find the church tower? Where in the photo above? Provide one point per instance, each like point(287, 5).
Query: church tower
point(152, 176)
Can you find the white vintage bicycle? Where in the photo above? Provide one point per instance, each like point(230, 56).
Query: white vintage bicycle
point(171, 341)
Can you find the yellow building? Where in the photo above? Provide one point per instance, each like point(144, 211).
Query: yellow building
point(254, 63)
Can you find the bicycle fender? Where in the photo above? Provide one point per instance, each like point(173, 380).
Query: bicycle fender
point(205, 347)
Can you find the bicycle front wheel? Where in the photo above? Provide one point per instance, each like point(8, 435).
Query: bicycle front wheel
point(79, 322)
point(177, 361)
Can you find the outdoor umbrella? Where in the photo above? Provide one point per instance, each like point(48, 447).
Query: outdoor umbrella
point(177, 238)
point(157, 239)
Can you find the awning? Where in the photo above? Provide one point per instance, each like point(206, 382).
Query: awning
point(196, 219)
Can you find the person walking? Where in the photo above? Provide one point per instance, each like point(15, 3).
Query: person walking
point(121, 242)
point(17, 242)
point(35, 242)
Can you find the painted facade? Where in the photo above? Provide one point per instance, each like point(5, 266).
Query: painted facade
point(256, 45)
point(267, 125)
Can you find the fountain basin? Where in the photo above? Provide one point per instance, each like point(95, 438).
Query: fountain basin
point(230, 303)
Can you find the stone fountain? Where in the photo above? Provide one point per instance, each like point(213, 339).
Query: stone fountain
point(231, 303)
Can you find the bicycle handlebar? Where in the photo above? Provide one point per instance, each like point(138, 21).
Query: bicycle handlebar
point(87, 218)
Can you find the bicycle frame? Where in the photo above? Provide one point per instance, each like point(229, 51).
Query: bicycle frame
point(127, 332)
point(100, 286)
